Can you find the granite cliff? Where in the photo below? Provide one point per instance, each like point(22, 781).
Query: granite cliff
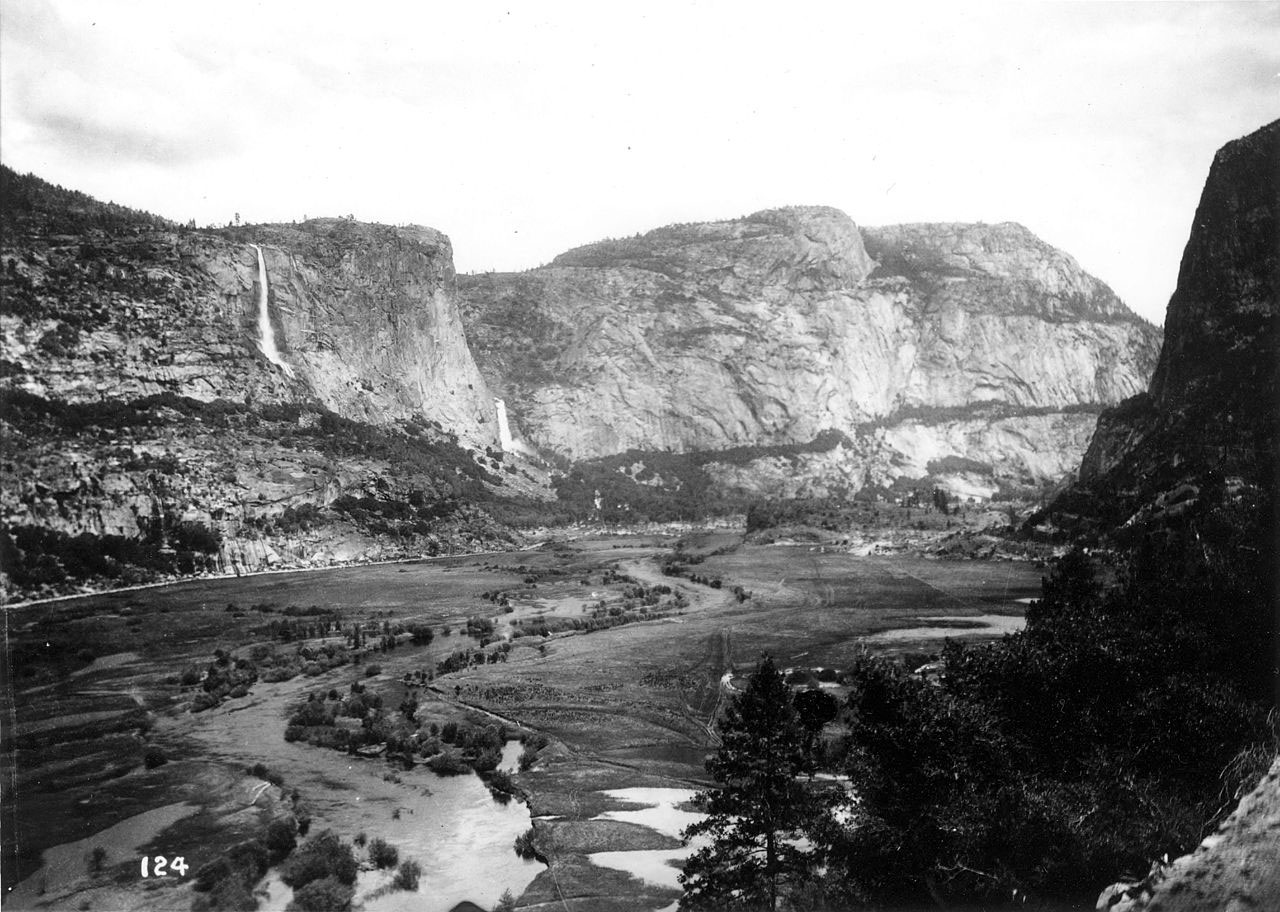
point(364, 315)
point(1207, 424)
point(1190, 462)
point(139, 405)
point(918, 344)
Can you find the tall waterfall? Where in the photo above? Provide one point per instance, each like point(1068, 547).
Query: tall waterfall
point(266, 334)
point(504, 428)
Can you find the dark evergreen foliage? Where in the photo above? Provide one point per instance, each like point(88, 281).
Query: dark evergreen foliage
point(760, 807)
point(1105, 735)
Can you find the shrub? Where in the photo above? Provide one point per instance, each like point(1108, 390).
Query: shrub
point(262, 771)
point(372, 670)
point(501, 780)
point(209, 875)
point(524, 845)
point(229, 895)
point(326, 894)
point(382, 853)
point(324, 856)
point(487, 761)
point(280, 840)
point(154, 757)
point(407, 876)
point(449, 763)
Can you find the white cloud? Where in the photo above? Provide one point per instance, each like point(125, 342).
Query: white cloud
point(524, 130)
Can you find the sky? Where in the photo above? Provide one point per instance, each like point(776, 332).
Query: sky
point(525, 129)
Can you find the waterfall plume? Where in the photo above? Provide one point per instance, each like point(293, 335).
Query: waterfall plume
point(267, 334)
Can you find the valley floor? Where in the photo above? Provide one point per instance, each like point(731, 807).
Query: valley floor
point(628, 707)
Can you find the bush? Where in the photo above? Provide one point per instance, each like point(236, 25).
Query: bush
point(323, 856)
point(383, 854)
point(229, 895)
point(449, 763)
point(524, 845)
point(407, 876)
point(280, 840)
point(501, 781)
point(154, 757)
point(528, 756)
point(210, 874)
point(487, 760)
point(262, 771)
point(326, 894)
point(372, 670)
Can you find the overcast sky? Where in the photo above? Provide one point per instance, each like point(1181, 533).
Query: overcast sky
point(524, 129)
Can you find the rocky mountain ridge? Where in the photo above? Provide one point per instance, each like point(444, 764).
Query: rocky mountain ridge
point(139, 406)
point(1207, 424)
point(364, 314)
point(774, 328)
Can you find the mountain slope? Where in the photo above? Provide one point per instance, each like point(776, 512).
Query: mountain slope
point(1207, 425)
point(364, 315)
point(147, 431)
point(912, 341)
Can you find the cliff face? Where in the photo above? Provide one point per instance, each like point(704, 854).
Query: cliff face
point(364, 315)
point(138, 401)
point(1209, 417)
point(773, 328)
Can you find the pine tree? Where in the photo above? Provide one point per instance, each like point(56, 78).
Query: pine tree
point(761, 805)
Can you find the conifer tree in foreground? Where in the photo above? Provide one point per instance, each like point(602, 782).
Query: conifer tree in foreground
point(757, 812)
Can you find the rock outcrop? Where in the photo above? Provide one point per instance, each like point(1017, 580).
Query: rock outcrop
point(1208, 422)
point(771, 329)
point(138, 403)
point(365, 315)
point(1235, 868)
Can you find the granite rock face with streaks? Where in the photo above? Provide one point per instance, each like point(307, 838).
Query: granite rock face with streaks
point(772, 328)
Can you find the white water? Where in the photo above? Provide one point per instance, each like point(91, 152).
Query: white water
point(659, 811)
point(266, 334)
point(505, 440)
point(450, 825)
point(980, 625)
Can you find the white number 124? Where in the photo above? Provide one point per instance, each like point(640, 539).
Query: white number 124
point(156, 867)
